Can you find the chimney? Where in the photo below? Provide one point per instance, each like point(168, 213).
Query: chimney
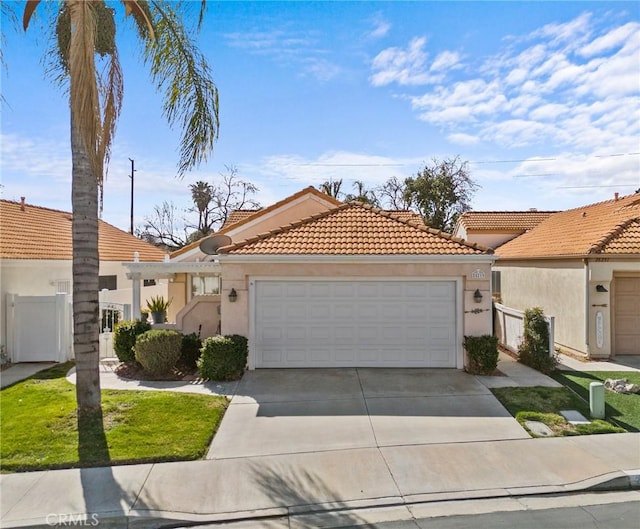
point(22, 199)
point(616, 195)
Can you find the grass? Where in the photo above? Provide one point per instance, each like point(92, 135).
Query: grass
point(39, 426)
point(544, 404)
point(622, 409)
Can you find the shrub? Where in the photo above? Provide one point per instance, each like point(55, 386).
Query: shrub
point(190, 353)
point(483, 353)
point(158, 350)
point(223, 357)
point(124, 338)
point(534, 350)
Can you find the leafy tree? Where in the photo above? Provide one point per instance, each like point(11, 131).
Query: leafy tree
point(213, 202)
point(441, 192)
point(85, 57)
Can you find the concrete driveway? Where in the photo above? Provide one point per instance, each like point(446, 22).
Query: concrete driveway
point(286, 411)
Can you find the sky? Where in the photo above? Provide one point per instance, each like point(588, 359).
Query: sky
point(541, 99)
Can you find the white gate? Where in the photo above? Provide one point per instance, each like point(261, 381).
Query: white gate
point(39, 328)
point(110, 314)
point(509, 328)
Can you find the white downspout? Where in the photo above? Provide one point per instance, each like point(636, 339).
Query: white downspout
point(587, 310)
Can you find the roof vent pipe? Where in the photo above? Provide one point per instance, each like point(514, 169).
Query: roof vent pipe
point(22, 199)
point(616, 195)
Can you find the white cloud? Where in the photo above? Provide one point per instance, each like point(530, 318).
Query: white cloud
point(610, 40)
point(461, 138)
point(405, 66)
point(321, 69)
point(381, 27)
point(447, 60)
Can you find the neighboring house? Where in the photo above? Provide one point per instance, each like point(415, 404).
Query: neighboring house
point(36, 254)
point(316, 283)
point(493, 228)
point(583, 267)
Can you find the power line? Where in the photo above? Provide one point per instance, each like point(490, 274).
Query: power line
point(587, 187)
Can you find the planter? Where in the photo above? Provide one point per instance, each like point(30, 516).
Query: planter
point(159, 317)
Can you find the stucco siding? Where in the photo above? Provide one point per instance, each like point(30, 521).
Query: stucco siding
point(236, 318)
point(557, 287)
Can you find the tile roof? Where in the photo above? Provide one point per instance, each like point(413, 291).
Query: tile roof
point(355, 229)
point(307, 190)
point(519, 221)
point(406, 215)
point(42, 233)
point(606, 227)
point(237, 215)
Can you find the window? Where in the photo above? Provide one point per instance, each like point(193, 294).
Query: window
point(205, 285)
point(149, 282)
point(495, 283)
point(108, 282)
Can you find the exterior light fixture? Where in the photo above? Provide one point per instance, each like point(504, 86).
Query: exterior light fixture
point(601, 288)
point(233, 295)
point(477, 296)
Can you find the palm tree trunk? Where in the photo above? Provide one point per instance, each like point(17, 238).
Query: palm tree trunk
point(84, 198)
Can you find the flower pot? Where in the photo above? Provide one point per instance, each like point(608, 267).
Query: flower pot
point(159, 317)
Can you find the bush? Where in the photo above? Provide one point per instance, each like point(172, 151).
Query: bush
point(124, 338)
point(483, 353)
point(223, 357)
point(190, 353)
point(534, 350)
point(158, 350)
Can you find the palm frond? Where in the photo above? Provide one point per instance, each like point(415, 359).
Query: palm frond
point(29, 9)
point(181, 72)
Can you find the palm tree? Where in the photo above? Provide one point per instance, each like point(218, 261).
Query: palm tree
point(332, 188)
point(85, 33)
point(202, 195)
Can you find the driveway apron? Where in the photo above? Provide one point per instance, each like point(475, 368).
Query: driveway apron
point(293, 411)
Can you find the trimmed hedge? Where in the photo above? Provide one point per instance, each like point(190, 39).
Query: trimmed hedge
point(124, 338)
point(534, 349)
point(158, 351)
point(223, 357)
point(191, 350)
point(483, 353)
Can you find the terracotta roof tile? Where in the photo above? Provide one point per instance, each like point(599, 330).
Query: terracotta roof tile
point(406, 215)
point(606, 227)
point(503, 220)
point(355, 229)
point(237, 215)
point(42, 233)
point(307, 190)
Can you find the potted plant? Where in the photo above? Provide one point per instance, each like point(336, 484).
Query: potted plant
point(158, 306)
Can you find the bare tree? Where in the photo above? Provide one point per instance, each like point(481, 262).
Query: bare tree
point(171, 229)
point(332, 188)
point(392, 195)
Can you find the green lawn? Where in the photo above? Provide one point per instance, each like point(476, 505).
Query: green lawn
point(622, 409)
point(39, 429)
point(544, 404)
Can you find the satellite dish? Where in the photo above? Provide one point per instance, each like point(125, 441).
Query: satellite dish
point(211, 244)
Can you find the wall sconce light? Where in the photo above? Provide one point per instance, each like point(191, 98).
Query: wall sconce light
point(233, 295)
point(601, 288)
point(477, 296)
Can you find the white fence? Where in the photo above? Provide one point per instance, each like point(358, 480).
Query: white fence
point(509, 328)
point(40, 328)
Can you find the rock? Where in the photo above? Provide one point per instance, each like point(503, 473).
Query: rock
point(621, 385)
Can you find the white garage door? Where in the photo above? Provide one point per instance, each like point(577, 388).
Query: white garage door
point(355, 324)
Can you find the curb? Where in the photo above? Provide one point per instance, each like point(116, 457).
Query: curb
point(611, 482)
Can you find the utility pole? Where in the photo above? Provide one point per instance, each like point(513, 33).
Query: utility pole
point(131, 176)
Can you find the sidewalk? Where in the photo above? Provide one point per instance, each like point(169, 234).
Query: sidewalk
point(215, 490)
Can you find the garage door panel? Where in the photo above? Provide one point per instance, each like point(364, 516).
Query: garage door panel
point(355, 323)
point(627, 315)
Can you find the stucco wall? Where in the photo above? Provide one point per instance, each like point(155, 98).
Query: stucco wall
point(490, 240)
point(555, 286)
point(235, 316)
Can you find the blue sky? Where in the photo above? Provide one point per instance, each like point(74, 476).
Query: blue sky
point(542, 99)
